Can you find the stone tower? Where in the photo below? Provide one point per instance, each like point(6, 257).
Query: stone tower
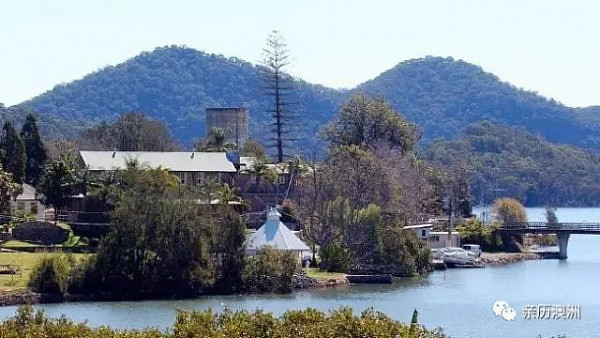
point(233, 121)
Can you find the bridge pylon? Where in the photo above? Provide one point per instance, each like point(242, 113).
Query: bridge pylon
point(563, 243)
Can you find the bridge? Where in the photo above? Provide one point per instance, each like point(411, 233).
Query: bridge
point(562, 230)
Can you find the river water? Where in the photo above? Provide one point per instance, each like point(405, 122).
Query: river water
point(459, 300)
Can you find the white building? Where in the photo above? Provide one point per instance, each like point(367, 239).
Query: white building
point(276, 235)
point(29, 202)
point(421, 230)
point(442, 239)
point(435, 239)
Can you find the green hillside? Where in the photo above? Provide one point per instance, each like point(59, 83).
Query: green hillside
point(508, 161)
point(176, 84)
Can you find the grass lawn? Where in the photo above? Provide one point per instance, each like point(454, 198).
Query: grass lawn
point(323, 275)
point(25, 261)
point(14, 244)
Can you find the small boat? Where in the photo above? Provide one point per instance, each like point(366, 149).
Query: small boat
point(455, 256)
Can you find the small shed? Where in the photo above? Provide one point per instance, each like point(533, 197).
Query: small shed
point(421, 230)
point(441, 239)
point(276, 235)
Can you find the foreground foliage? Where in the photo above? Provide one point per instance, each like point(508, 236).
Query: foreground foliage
point(293, 323)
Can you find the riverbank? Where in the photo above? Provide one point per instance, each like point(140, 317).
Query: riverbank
point(24, 296)
point(498, 258)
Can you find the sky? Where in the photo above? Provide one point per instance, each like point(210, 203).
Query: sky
point(550, 47)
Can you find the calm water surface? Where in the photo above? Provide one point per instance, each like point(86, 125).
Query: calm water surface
point(459, 301)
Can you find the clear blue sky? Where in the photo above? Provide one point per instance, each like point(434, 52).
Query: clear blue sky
point(548, 46)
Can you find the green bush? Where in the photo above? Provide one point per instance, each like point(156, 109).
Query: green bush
point(474, 232)
point(309, 323)
point(333, 258)
point(270, 270)
point(51, 274)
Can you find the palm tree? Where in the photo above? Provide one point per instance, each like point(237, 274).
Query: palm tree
point(227, 194)
point(215, 142)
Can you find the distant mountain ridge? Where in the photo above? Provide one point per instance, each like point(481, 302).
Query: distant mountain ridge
point(176, 84)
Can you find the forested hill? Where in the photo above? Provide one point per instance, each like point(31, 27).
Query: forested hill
point(508, 161)
point(443, 95)
point(176, 84)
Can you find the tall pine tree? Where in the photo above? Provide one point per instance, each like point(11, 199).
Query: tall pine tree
point(14, 153)
point(34, 149)
point(278, 88)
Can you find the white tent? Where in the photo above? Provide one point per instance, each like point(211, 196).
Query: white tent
point(276, 235)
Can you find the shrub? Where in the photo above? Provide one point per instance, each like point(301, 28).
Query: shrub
point(309, 323)
point(270, 270)
point(333, 258)
point(401, 253)
point(51, 274)
point(474, 232)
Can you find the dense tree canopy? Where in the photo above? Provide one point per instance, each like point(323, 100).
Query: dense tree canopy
point(176, 84)
point(131, 132)
point(371, 122)
point(505, 161)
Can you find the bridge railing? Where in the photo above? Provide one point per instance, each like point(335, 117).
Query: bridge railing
point(552, 226)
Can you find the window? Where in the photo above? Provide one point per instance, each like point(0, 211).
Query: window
point(434, 238)
point(281, 179)
point(423, 233)
point(33, 208)
point(199, 178)
point(182, 177)
point(20, 205)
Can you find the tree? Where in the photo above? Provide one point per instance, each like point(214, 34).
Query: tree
point(270, 270)
point(458, 192)
point(157, 242)
point(369, 122)
point(509, 212)
point(56, 185)
point(254, 149)
point(551, 216)
point(7, 189)
point(231, 235)
point(14, 153)
point(35, 150)
point(278, 88)
point(131, 132)
point(214, 142)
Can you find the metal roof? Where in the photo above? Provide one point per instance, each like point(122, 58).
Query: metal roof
point(275, 234)
point(419, 226)
point(171, 160)
point(28, 194)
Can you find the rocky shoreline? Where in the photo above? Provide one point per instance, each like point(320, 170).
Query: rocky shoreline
point(306, 282)
point(499, 258)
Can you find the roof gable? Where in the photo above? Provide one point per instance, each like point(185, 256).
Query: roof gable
point(275, 234)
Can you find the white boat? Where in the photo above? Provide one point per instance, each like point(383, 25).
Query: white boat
point(454, 256)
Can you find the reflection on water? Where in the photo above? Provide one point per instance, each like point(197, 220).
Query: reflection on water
point(460, 301)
